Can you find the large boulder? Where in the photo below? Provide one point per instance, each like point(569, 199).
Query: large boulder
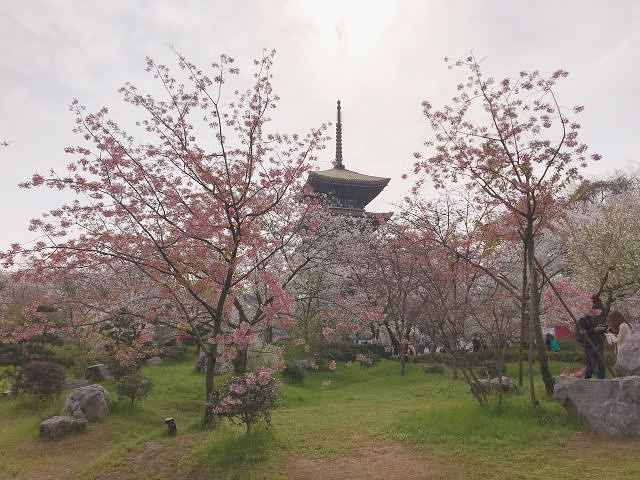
point(58, 426)
point(629, 356)
point(88, 402)
point(609, 406)
point(98, 373)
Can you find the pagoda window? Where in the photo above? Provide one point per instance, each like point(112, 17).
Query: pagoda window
point(350, 203)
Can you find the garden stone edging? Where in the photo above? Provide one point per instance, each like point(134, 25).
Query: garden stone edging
point(610, 406)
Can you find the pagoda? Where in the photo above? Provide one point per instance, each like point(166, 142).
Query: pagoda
point(347, 191)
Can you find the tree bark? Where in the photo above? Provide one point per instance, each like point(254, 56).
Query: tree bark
point(524, 331)
point(534, 315)
point(210, 355)
point(240, 362)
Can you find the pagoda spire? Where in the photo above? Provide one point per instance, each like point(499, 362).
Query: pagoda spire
point(338, 162)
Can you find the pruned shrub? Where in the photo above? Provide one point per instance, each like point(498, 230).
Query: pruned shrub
point(40, 379)
point(134, 386)
point(293, 373)
point(367, 360)
point(347, 352)
point(490, 368)
point(247, 398)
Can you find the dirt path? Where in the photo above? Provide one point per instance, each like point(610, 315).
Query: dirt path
point(158, 459)
point(388, 462)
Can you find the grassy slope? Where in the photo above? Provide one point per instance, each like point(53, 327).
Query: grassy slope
point(362, 406)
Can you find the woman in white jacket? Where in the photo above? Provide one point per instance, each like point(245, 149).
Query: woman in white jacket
point(620, 330)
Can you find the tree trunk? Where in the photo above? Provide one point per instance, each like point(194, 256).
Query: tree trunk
point(240, 362)
point(210, 354)
point(534, 314)
point(454, 367)
point(500, 368)
point(532, 386)
point(403, 358)
point(524, 331)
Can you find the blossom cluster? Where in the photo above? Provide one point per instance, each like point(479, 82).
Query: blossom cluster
point(247, 398)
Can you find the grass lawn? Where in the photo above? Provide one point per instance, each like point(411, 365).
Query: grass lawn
point(368, 420)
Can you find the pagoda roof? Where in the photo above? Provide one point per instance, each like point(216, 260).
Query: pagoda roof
point(348, 177)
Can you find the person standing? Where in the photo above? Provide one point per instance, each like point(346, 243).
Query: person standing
point(551, 343)
point(620, 330)
point(593, 328)
point(475, 343)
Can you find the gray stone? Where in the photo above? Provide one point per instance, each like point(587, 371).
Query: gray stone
point(610, 406)
point(76, 382)
point(87, 402)
point(98, 373)
point(629, 356)
point(175, 352)
point(164, 336)
point(153, 361)
point(304, 364)
point(496, 384)
point(433, 368)
point(58, 426)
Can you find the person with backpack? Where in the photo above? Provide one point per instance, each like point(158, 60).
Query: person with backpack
point(551, 343)
point(593, 327)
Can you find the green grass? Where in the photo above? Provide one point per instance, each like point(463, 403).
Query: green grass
point(432, 415)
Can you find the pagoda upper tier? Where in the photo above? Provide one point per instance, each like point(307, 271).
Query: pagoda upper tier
point(345, 189)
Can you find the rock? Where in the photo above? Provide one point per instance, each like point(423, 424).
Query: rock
point(494, 385)
point(76, 382)
point(153, 361)
point(87, 402)
point(305, 364)
point(164, 336)
point(610, 406)
point(434, 368)
point(629, 356)
point(175, 352)
point(98, 373)
point(58, 426)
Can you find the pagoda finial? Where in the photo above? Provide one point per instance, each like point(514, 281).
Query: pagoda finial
point(338, 163)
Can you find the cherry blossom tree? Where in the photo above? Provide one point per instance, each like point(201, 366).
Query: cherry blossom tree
point(200, 200)
point(512, 145)
point(385, 282)
point(602, 238)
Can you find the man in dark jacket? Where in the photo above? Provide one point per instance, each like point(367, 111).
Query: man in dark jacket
point(593, 327)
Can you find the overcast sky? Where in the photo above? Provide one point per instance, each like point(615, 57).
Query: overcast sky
point(380, 57)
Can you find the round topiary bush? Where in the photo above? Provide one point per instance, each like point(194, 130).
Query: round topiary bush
point(293, 373)
point(247, 398)
point(40, 379)
point(134, 386)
